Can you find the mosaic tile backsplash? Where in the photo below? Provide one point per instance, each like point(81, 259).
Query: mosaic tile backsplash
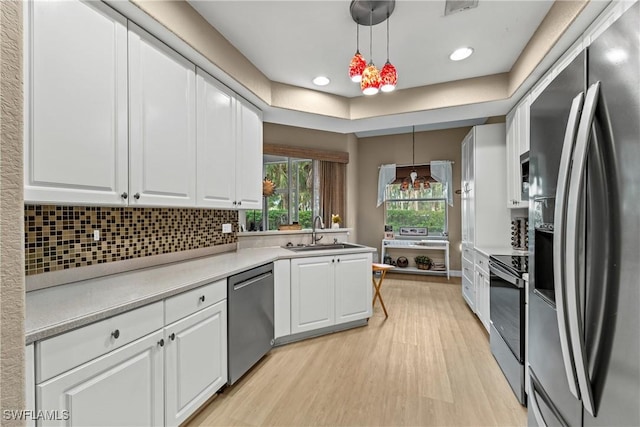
point(61, 237)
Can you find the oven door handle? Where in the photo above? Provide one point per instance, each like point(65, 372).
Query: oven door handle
point(505, 275)
point(559, 241)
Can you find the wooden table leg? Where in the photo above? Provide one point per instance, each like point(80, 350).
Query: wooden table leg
point(377, 294)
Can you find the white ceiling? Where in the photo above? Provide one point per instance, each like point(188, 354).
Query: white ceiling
point(294, 41)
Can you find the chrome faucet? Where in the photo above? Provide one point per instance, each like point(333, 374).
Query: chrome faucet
point(313, 230)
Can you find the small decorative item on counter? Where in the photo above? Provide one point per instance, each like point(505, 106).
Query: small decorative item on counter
point(388, 232)
point(335, 221)
point(423, 262)
point(402, 262)
point(268, 187)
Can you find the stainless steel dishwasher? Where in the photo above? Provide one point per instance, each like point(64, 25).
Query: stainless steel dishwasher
point(250, 319)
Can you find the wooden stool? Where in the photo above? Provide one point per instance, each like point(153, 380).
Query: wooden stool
point(383, 268)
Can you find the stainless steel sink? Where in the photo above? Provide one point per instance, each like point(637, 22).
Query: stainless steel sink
point(323, 247)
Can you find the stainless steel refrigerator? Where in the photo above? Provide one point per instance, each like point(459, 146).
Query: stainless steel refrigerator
point(584, 312)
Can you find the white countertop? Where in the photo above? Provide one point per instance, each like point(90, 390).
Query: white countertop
point(61, 308)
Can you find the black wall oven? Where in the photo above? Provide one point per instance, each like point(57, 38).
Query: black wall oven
point(507, 315)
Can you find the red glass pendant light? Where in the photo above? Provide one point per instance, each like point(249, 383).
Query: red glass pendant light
point(357, 64)
point(388, 75)
point(371, 79)
point(370, 83)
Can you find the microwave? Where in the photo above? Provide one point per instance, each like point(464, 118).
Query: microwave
point(524, 176)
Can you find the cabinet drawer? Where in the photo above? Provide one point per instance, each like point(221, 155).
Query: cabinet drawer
point(467, 270)
point(63, 352)
point(196, 299)
point(482, 263)
point(468, 254)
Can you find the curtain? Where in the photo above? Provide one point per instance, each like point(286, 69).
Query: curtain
point(441, 171)
point(332, 191)
point(386, 175)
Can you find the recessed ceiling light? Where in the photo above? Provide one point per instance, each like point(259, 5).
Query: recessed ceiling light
point(460, 54)
point(321, 81)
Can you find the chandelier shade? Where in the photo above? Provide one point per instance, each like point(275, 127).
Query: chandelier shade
point(356, 67)
point(370, 83)
point(388, 77)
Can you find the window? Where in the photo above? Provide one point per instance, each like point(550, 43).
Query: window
point(425, 206)
point(293, 198)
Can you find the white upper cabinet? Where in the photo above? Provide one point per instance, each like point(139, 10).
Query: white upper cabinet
point(229, 148)
point(75, 103)
point(216, 144)
point(162, 102)
point(517, 135)
point(249, 158)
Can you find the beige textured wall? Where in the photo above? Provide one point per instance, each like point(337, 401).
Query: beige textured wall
point(374, 151)
point(322, 140)
point(11, 211)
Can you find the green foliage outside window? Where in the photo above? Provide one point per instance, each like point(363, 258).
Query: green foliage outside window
point(421, 207)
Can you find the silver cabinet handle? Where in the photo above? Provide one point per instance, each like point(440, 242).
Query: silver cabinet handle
point(136, 196)
point(576, 186)
point(124, 195)
point(559, 241)
point(240, 203)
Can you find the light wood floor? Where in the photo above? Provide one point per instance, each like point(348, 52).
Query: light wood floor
point(428, 364)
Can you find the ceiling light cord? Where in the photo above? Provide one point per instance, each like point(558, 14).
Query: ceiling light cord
point(414, 173)
point(387, 36)
point(357, 37)
point(371, 36)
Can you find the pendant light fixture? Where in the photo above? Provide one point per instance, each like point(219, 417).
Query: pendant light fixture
point(370, 12)
point(357, 64)
point(388, 75)
point(370, 83)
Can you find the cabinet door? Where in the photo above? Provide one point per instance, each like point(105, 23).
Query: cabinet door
point(312, 293)
point(30, 382)
point(513, 163)
point(216, 147)
point(162, 102)
point(479, 296)
point(196, 361)
point(353, 287)
point(282, 296)
point(76, 104)
point(249, 158)
point(121, 388)
point(487, 300)
point(471, 191)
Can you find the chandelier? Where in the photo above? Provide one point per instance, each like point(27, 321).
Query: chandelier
point(372, 80)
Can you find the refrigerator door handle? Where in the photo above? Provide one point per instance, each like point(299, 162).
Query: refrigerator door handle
point(576, 186)
point(559, 241)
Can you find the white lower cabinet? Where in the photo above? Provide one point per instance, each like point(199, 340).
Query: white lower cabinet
point(30, 382)
point(353, 292)
point(312, 293)
point(121, 388)
point(195, 361)
point(282, 298)
point(119, 372)
point(482, 284)
point(329, 290)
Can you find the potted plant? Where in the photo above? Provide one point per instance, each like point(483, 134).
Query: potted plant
point(423, 262)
